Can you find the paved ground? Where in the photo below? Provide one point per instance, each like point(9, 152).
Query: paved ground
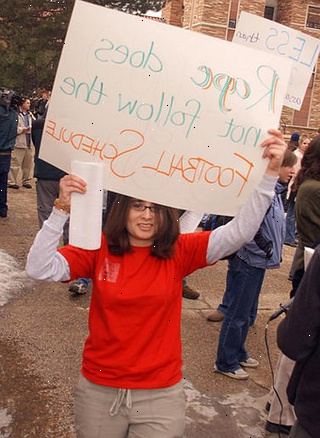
point(42, 329)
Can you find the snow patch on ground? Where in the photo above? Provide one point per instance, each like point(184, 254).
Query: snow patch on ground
point(199, 403)
point(244, 406)
point(245, 409)
point(244, 400)
point(11, 277)
point(5, 421)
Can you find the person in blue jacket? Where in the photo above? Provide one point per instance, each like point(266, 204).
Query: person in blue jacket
point(244, 282)
point(8, 134)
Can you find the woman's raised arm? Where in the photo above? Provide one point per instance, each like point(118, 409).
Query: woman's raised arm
point(44, 262)
point(228, 238)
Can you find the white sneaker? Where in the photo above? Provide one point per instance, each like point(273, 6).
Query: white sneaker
point(238, 374)
point(250, 363)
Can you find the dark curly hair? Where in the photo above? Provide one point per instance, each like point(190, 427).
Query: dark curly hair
point(310, 163)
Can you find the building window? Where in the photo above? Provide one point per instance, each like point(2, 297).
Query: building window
point(313, 17)
point(269, 12)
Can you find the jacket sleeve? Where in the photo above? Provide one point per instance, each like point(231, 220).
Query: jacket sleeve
point(20, 128)
point(298, 334)
point(229, 238)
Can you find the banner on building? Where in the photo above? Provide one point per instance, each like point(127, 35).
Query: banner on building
point(299, 48)
point(175, 116)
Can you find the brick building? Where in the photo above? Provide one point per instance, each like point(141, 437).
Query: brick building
point(218, 18)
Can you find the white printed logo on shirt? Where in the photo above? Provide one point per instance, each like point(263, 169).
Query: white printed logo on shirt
point(109, 271)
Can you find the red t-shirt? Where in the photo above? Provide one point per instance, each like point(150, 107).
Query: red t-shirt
point(134, 336)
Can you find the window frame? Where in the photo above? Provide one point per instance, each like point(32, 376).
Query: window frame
point(273, 12)
point(307, 16)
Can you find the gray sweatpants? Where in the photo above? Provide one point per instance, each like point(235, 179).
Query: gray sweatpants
point(102, 411)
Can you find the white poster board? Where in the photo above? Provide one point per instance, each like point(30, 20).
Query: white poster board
point(175, 116)
point(301, 49)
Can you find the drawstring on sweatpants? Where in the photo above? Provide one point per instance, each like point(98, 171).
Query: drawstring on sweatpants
point(122, 394)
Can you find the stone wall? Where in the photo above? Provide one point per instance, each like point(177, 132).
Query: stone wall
point(173, 12)
point(253, 6)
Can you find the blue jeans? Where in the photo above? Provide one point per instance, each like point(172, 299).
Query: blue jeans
point(227, 298)
point(291, 223)
point(4, 171)
point(245, 284)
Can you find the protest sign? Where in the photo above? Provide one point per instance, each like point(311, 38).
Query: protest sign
point(175, 116)
point(301, 49)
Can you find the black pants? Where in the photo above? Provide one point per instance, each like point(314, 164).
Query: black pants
point(5, 161)
point(296, 279)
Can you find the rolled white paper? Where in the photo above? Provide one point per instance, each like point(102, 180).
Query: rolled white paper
point(86, 209)
point(308, 253)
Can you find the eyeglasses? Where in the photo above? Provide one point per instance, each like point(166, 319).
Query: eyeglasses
point(140, 206)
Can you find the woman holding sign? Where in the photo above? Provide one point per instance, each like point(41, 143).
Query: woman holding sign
point(131, 378)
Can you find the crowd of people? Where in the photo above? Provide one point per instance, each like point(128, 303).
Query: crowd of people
point(16, 142)
point(132, 356)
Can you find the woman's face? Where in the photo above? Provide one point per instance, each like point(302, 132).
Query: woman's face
point(142, 224)
point(303, 146)
point(26, 105)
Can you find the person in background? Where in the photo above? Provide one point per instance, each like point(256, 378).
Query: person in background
point(23, 153)
point(307, 186)
point(281, 414)
point(8, 133)
point(260, 243)
point(290, 238)
point(41, 105)
point(244, 282)
point(47, 178)
point(294, 141)
point(188, 292)
point(47, 188)
point(131, 379)
point(298, 338)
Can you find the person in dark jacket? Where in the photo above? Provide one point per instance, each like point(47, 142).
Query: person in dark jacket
point(307, 208)
point(47, 187)
point(48, 177)
point(281, 416)
point(8, 133)
point(299, 339)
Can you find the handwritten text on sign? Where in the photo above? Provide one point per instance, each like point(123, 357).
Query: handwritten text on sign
point(301, 49)
point(177, 117)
